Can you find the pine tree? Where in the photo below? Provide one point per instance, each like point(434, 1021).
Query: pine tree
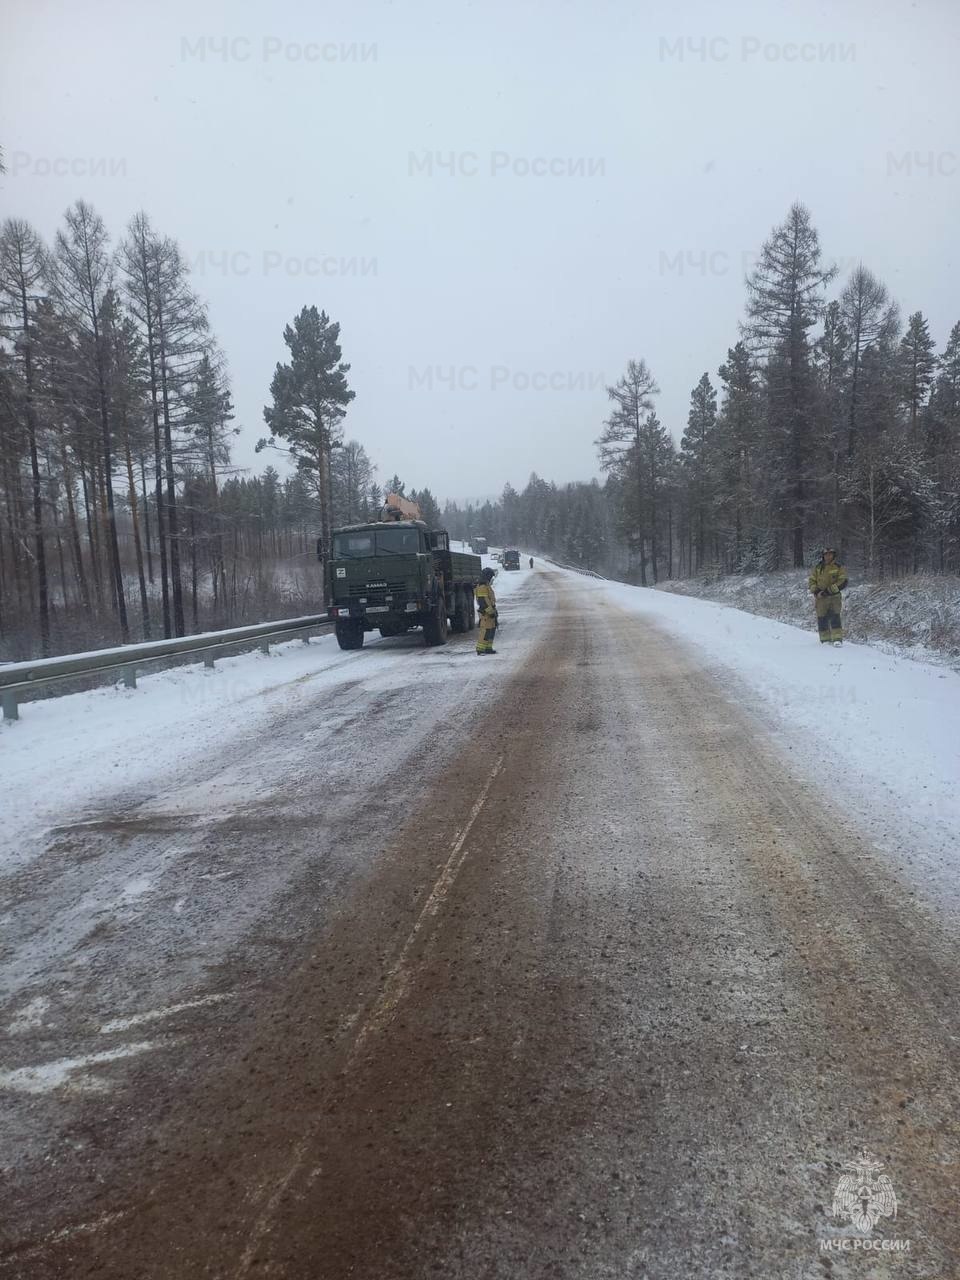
point(696, 457)
point(428, 507)
point(738, 436)
point(510, 504)
point(137, 255)
point(784, 301)
point(23, 267)
point(81, 278)
point(16, 596)
point(208, 412)
point(128, 412)
point(918, 366)
point(657, 459)
point(942, 448)
point(868, 316)
point(621, 447)
point(832, 360)
point(310, 398)
point(174, 327)
point(65, 414)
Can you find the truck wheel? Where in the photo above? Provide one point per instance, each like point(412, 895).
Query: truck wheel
point(461, 614)
point(435, 627)
point(349, 634)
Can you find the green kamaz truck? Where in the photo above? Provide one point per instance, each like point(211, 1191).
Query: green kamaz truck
point(394, 574)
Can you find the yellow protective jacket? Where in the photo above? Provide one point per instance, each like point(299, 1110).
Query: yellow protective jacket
point(831, 578)
point(486, 601)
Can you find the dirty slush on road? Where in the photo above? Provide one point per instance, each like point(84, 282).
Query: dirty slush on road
point(623, 1007)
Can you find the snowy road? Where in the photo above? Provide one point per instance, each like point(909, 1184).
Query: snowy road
point(558, 964)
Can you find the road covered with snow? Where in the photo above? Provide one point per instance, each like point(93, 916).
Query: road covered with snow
point(88, 750)
point(596, 958)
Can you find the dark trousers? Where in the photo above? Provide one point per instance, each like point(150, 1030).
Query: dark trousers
point(828, 618)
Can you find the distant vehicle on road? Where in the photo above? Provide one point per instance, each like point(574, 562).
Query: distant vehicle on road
point(394, 574)
point(478, 546)
point(511, 559)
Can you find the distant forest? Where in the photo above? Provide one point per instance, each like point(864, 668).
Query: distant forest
point(829, 420)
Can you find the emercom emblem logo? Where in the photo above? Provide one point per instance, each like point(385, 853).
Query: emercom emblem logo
point(862, 1197)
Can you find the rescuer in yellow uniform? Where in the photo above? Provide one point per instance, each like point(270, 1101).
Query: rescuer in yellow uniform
point(487, 606)
point(826, 581)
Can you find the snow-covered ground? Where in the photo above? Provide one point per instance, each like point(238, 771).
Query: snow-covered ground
point(915, 616)
point(64, 754)
point(878, 735)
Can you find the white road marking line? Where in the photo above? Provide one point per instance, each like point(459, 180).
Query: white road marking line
point(52, 1075)
point(396, 984)
point(152, 1015)
point(64, 1233)
point(398, 977)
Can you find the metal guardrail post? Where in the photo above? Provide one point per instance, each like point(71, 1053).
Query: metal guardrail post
point(22, 678)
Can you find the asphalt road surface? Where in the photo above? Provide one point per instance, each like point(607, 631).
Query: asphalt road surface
point(545, 965)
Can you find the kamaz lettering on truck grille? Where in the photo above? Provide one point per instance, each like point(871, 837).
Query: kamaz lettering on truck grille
point(361, 588)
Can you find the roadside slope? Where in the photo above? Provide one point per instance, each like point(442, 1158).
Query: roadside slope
point(915, 616)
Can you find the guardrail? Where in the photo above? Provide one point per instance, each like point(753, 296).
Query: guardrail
point(574, 568)
point(17, 678)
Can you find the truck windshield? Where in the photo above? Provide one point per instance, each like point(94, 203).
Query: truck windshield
point(376, 542)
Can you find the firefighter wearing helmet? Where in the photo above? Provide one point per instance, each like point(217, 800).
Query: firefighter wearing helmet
point(487, 608)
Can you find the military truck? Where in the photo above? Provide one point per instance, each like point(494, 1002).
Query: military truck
point(394, 574)
point(478, 546)
point(510, 559)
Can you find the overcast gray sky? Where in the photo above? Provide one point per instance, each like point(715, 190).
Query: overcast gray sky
point(501, 203)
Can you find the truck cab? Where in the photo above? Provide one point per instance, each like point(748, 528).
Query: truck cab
point(511, 559)
point(392, 575)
